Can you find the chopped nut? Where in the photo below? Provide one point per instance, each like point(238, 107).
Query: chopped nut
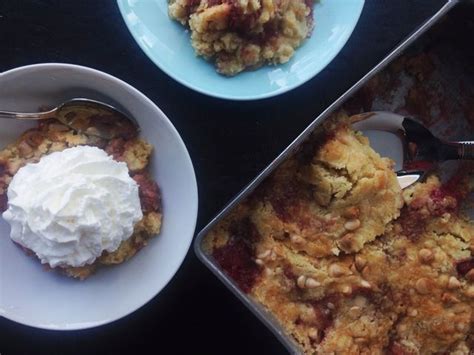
point(470, 292)
point(311, 283)
point(259, 261)
point(461, 326)
point(329, 217)
point(353, 268)
point(355, 312)
point(347, 242)
point(422, 286)
point(308, 315)
point(443, 280)
point(273, 255)
point(347, 290)
point(13, 166)
point(365, 284)
point(297, 239)
point(445, 217)
point(335, 270)
point(313, 333)
point(331, 305)
point(412, 312)
point(426, 255)
point(301, 281)
point(453, 283)
point(360, 262)
point(352, 224)
point(470, 275)
point(268, 272)
point(360, 340)
point(265, 254)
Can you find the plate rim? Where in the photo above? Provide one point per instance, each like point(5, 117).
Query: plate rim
point(218, 95)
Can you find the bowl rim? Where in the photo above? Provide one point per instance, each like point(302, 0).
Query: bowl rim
point(219, 95)
point(188, 161)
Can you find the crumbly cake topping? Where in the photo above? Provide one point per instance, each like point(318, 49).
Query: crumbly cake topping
point(241, 34)
point(51, 136)
point(404, 286)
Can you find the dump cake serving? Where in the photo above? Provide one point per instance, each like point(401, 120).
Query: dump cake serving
point(348, 263)
point(245, 34)
point(76, 201)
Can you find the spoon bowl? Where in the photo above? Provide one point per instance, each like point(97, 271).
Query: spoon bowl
point(421, 150)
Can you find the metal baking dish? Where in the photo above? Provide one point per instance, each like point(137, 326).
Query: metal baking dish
point(388, 86)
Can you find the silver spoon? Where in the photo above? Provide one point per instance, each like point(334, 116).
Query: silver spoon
point(85, 116)
point(421, 150)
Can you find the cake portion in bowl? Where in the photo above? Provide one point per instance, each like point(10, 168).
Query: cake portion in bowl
point(93, 202)
point(245, 34)
point(345, 261)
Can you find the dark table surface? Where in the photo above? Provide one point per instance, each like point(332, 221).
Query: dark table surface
point(229, 143)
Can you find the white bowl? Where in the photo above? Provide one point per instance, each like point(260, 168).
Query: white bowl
point(31, 296)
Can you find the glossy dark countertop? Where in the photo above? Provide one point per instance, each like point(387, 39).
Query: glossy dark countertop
point(229, 143)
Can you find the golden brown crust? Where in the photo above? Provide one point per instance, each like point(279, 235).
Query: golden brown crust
point(241, 34)
point(51, 136)
point(148, 227)
point(409, 291)
point(340, 199)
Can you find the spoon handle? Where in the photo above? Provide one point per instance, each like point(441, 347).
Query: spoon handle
point(465, 150)
point(27, 116)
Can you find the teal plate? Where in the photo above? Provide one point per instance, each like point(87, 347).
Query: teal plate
point(167, 43)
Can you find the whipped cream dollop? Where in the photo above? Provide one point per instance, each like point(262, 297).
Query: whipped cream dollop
point(72, 206)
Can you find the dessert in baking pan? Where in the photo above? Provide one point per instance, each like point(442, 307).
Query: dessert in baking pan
point(345, 260)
